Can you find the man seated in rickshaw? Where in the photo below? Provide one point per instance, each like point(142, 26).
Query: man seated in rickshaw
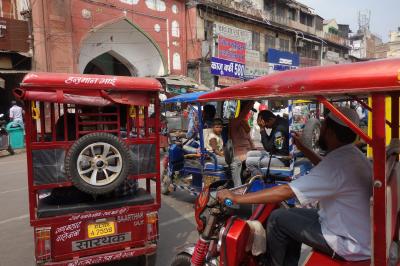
point(341, 182)
point(276, 143)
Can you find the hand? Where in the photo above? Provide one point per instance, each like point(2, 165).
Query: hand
point(225, 194)
point(261, 123)
point(297, 140)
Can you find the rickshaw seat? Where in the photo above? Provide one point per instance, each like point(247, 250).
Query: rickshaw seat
point(317, 258)
point(46, 209)
point(211, 167)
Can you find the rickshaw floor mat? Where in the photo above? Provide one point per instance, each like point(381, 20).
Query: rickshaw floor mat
point(46, 208)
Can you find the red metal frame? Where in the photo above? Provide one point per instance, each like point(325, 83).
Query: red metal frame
point(35, 140)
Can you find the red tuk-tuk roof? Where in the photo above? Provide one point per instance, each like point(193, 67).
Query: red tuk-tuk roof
point(70, 82)
point(353, 79)
point(96, 90)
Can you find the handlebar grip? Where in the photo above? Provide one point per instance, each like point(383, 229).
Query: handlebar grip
point(228, 202)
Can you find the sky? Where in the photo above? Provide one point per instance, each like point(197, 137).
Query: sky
point(384, 13)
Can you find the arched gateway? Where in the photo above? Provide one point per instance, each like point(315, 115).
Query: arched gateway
point(121, 48)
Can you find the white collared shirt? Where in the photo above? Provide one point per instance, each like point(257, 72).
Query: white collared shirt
point(342, 183)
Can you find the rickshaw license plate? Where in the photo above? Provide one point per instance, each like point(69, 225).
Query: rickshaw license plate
point(101, 229)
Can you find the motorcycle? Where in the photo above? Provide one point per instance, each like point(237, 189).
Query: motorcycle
point(225, 239)
point(4, 136)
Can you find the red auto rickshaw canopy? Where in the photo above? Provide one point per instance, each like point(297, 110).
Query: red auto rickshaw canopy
point(345, 79)
point(98, 90)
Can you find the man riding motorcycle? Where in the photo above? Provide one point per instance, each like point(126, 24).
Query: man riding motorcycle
point(340, 182)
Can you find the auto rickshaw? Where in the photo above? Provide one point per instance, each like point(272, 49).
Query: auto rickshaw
point(188, 166)
point(227, 240)
point(86, 151)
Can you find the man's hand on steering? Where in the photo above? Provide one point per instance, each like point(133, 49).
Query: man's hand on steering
point(225, 194)
point(297, 140)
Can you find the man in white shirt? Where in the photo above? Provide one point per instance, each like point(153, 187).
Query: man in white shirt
point(341, 182)
point(16, 113)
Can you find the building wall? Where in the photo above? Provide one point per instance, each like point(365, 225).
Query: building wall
point(65, 30)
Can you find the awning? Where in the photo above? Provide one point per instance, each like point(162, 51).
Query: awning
point(182, 81)
point(185, 98)
point(2, 83)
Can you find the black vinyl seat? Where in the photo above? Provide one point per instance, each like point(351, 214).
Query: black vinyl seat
point(47, 208)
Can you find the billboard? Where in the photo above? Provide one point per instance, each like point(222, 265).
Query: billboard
point(226, 68)
point(231, 50)
point(281, 60)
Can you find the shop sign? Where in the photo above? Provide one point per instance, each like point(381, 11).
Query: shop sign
point(281, 61)
point(227, 81)
point(222, 67)
point(231, 50)
point(252, 55)
point(256, 69)
point(234, 33)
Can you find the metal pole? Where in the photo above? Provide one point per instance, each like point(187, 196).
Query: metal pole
point(378, 241)
point(291, 143)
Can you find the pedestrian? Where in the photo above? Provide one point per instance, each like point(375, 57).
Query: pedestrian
point(342, 184)
point(16, 114)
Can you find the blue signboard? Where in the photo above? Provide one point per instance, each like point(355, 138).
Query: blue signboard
point(283, 58)
point(221, 67)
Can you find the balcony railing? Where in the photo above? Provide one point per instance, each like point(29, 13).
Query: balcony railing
point(253, 12)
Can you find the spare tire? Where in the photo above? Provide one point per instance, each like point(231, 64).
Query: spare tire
point(98, 163)
point(311, 134)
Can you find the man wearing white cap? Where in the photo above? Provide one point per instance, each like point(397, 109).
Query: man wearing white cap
point(342, 184)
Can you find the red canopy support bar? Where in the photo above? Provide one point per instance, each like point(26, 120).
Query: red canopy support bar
point(366, 106)
point(379, 193)
point(342, 117)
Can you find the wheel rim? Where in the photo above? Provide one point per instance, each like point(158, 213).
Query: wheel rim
point(99, 164)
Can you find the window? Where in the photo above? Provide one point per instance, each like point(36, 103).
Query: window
point(306, 19)
point(280, 10)
point(256, 41)
point(284, 45)
point(269, 42)
point(208, 30)
point(292, 14)
point(269, 6)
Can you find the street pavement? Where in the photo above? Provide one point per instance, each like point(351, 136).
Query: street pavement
point(177, 225)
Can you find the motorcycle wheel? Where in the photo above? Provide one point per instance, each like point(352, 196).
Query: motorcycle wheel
point(10, 150)
point(98, 163)
point(165, 182)
point(182, 259)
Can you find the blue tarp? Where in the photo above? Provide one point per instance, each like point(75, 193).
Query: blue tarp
point(185, 98)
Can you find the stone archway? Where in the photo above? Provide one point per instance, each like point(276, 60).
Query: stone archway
point(110, 64)
point(121, 48)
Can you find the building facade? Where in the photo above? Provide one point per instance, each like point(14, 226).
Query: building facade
point(363, 44)
point(116, 37)
point(15, 48)
point(267, 36)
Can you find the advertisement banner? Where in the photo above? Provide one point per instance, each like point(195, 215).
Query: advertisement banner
point(227, 81)
point(283, 58)
point(234, 33)
point(231, 50)
point(221, 67)
point(255, 69)
point(282, 61)
point(252, 55)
